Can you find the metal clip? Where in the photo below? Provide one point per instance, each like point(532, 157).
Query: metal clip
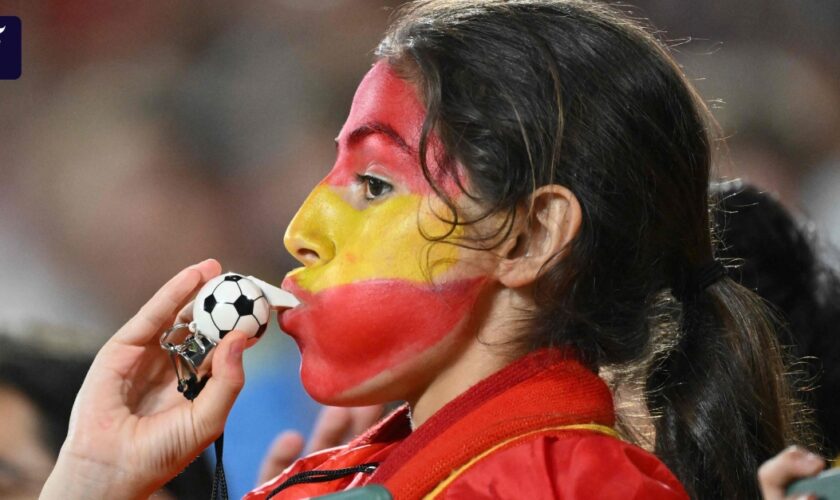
point(187, 357)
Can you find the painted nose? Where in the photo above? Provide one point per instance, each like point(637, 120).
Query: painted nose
point(307, 238)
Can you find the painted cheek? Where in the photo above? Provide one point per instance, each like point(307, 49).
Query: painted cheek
point(381, 241)
point(383, 295)
point(351, 333)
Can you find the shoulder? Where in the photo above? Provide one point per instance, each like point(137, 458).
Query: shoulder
point(571, 465)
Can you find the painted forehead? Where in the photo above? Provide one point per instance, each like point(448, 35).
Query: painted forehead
point(385, 98)
point(383, 127)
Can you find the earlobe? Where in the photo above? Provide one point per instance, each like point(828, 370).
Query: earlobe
point(544, 229)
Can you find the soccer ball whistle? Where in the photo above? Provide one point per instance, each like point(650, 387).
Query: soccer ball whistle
point(227, 302)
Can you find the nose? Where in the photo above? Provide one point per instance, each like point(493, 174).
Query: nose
point(307, 238)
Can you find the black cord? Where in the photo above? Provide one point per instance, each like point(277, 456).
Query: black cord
point(219, 491)
point(322, 476)
point(190, 389)
point(192, 386)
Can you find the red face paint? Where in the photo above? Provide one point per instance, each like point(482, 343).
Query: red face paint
point(351, 333)
point(385, 122)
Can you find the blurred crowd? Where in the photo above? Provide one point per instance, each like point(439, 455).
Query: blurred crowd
point(145, 136)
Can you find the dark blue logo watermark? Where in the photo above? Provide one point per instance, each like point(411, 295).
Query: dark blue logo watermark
point(10, 48)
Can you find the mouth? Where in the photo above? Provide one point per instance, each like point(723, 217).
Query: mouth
point(289, 302)
point(293, 290)
point(285, 313)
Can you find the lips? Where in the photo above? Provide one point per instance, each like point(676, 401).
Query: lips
point(292, 288)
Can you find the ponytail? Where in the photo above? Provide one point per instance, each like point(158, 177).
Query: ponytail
point(721, 402)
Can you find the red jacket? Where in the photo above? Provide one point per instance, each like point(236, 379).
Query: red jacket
point(540, 428)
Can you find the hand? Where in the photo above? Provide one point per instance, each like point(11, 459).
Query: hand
point(334, 426)
point(793, 463)
point(130, 429)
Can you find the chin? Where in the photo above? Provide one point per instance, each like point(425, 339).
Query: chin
point(403, 381)
point(328, 387)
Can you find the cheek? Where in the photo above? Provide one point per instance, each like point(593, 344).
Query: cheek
point(397, 240)
point(351, 333)
point(387, 240)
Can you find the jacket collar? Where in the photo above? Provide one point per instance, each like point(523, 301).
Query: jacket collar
point(549, 387)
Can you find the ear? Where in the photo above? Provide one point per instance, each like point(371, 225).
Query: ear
point(542, 234)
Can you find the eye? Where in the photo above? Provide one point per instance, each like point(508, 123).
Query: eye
point(374, 187)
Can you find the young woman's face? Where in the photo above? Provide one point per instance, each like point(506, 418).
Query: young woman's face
point(381, 305)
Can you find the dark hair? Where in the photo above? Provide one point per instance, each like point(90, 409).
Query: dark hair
point(50, 381)
point(530, 93)
point(781, 259)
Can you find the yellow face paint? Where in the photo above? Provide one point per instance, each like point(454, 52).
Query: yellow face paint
point(384, 240)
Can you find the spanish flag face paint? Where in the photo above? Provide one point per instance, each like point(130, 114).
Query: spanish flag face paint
point(377, 296)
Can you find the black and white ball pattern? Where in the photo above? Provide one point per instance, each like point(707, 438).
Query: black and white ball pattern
point(230, 302)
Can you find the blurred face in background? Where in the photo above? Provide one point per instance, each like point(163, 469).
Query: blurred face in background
point(25, 461)
point(383, 307)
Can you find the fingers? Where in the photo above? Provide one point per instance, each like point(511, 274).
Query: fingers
point(364, 417)
point(332, 426)
point(331, 429)
point(335, 424)
point(210, 409)
point(158, 311)
point(185, 315)
point(791, 464)
point(285, 449)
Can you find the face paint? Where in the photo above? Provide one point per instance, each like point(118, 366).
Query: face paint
point(382, 240)
point(375, 292)
point(351, 333)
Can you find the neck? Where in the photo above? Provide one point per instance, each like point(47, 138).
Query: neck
point(487, 349)
point(475, 364)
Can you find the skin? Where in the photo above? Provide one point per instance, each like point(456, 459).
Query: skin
point(25, 461)
point(776, 474)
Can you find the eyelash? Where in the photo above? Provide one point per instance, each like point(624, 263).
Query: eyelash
point(372, 184)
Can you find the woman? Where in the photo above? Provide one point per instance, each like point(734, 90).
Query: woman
point(519, 199)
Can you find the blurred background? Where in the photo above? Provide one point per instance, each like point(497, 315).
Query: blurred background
point(145, 136)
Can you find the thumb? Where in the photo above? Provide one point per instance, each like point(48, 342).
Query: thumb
point(210, 409)
point(791, 464)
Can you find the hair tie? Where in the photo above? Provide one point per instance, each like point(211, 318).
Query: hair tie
point(699, 279)
point(706, 275)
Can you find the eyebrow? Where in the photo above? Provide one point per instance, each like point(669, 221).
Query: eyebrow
point(371, 128)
